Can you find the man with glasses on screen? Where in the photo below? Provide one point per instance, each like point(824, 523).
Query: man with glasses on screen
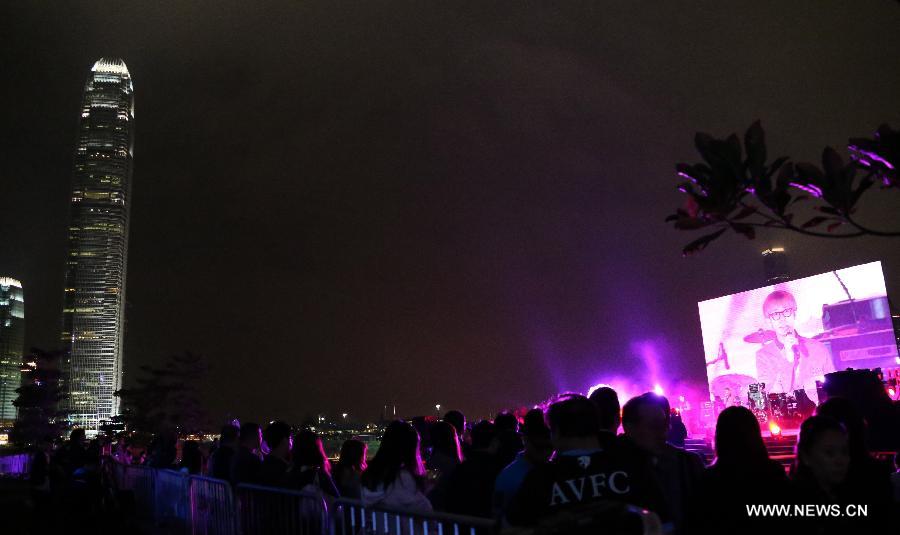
point(790, 362)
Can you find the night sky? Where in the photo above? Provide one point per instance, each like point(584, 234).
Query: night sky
point(342, 205)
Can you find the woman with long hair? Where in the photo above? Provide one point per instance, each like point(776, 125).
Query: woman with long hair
point(395, 476)
point(741, 474)
point(311, 469)
point(350, 468)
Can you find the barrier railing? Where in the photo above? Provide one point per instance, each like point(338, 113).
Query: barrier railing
point(172, 501)
point(213, 509)
point(197, 505)
point(18, 465)
point(352, 517)
point(265, 510)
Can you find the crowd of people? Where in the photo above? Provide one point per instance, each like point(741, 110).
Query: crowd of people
point(564, 458)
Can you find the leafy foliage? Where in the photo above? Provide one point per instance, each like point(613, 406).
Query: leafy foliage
point(166, 398)
point(734, 187)
point(38, 401)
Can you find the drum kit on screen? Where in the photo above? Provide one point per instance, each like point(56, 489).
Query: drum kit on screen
point(729, 389)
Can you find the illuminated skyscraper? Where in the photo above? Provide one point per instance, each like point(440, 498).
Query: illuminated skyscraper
point(94, 304)
point(12, 345)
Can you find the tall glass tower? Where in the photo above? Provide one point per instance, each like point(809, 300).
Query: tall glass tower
point(12, 346)
point(94, 303)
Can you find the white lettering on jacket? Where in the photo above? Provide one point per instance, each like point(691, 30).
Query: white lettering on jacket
point(615, 483)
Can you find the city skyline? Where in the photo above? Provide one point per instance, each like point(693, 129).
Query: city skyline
point(93, 320)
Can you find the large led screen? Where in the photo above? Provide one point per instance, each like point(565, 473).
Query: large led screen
point(789, 335)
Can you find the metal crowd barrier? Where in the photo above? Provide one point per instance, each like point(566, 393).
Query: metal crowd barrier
point(172, 501)
point(18, 465)
point(352, 517)
point(213, 509)
point(197, 505)
point(265, 510)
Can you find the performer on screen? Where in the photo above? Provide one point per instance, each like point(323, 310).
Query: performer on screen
point(790, 362)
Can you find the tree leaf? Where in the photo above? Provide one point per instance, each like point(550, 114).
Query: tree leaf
point(818, 220)
point(701, 243)
point(745, 212)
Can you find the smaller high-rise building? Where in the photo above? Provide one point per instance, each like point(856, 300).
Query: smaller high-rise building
point(775, 265)
point(12, 346)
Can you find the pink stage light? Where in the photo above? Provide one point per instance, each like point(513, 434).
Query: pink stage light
point(658, 390)
point(774, 428)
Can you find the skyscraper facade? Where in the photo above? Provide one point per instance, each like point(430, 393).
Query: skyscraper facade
point(12, 346)
point(94, 301)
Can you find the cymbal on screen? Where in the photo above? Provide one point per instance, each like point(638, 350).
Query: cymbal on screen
point(760, 337)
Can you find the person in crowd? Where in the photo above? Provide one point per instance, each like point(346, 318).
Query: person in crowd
point(163, 450)
point(191, 458)
point(469, 488)
point(312, 471)
point(223, 457)
point(581, 474)
point(279, 437)
point(350, 467)
point(645, 420)
point(509, 441)
point(73, 454)
point(677, 430)
point(445, 450)
point(609, 412)
point(395, 476)
point(248, 459)
point(821, 470)
point(458, 420)
point(868, 479)
point(867, 474)
point(121, 453)
point(446, 456)
point(537, 451)
point(742, 474)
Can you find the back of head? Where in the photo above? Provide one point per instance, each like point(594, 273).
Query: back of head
point(399, 450)
point(353, 454)
point(483, 434)
point(534, 425)
point(249, 434)
point(739, 443)
point(444, 440)
point(632, 411)
point(646, 422)
point(308, 451)
point(458, 420)
point(276, 433)
point(573, 416)
point(846, 413)
point(506, 421)
point(608, 409)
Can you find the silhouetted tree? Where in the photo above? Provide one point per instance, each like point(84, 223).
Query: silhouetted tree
point(739, 190)
point(166, 398)
point(39, 399)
